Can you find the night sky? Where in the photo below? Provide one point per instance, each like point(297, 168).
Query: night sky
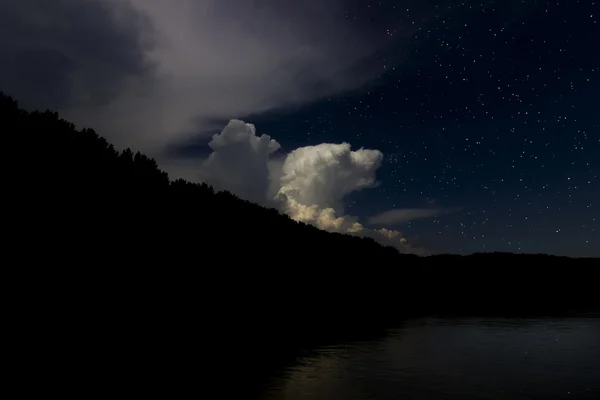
point(494, 111)
point(485, 113)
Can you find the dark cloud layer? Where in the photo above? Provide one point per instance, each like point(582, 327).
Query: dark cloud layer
point(61, 53)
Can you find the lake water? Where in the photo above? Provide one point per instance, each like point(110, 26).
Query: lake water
point(437, 358)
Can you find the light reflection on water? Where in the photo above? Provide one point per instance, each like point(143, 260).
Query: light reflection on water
point(434, 358)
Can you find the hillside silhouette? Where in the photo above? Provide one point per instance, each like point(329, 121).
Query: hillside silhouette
point(145, 273)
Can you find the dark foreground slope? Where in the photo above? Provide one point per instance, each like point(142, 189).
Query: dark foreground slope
point(123, 277)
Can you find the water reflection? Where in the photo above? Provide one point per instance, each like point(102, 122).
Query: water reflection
point(437, 358)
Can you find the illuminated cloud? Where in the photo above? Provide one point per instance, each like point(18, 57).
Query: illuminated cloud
point(315, 180)
point(309, 184)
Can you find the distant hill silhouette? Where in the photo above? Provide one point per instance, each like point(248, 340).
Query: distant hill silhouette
point(142, 273)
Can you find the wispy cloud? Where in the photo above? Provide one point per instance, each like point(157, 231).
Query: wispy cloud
point(148, 73)
point(401, 215)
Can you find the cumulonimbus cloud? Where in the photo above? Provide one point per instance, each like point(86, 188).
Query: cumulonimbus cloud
point(309, 184)
point(315, 180)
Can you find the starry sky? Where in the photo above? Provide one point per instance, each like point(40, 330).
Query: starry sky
point(483, 114)
point(494, 110)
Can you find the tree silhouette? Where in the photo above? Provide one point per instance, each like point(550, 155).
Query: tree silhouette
point(104, 241)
